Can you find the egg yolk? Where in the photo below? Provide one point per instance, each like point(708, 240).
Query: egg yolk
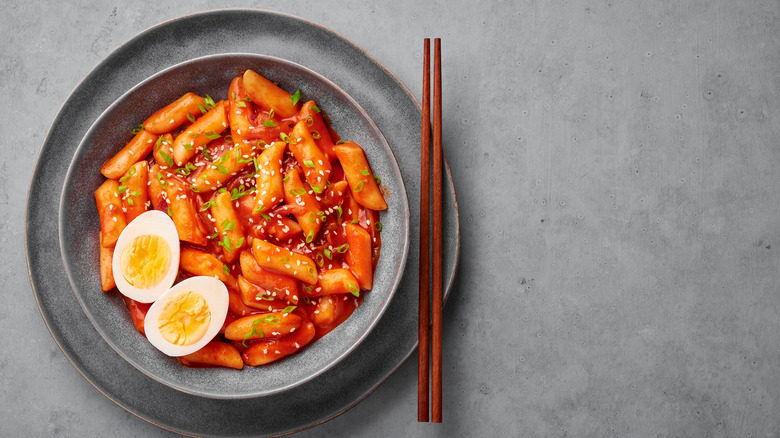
point(145, 261)
point(184, 319)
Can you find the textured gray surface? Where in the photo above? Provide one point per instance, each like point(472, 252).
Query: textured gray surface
point(616, 171)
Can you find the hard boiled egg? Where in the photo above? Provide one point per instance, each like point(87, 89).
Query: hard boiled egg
point(146, 257)
point(187, 316)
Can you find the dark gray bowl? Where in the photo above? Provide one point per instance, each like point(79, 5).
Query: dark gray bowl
point(79, 225)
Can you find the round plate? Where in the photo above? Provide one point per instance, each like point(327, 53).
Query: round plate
point(389, 103)
point(79, 224)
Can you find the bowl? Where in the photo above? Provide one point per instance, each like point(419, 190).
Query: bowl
point(79, 225)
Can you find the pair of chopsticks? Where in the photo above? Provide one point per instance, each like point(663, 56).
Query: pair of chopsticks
point(425, 206)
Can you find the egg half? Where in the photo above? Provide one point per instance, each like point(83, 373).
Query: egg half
point(146, 257)
point(187, 316)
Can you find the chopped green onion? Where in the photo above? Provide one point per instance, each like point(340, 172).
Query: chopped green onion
point(271, 114)
point(297, 191)
point(270, 124)
point(159, 142)
point(343, 248)
point(316, 189)
point(309, 120)
point(289, 309)
point(225, 243)
point(286, 178)
point(315, 108)
point(378, 226)
point(206, 154)
point(206, 205)
point(365, 172)
point(225, 269)
point(227, 225)
point(211, 135)
point(170, 213)
point(308, 163)
point(188, 147)
point(319, 259)
point(262, 296)
point(190, 117)
point(137, 129)
point(328, 254)
point(210, 102)
point(315, 135)
point(378, 180)
point(339, 211)
point(354, 290)
point(167, 158)
point(240, 104)
point(121, 189)
point(310, 236)
point(359, 186)
point(296, 97)
point(284, 259)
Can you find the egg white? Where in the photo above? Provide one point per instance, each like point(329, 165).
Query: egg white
point(213, 291)
point(152, 222)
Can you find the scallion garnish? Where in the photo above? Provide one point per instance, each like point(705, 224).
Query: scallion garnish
point(206, 205)
point(270, 124)
point(308, 163)
point(296, 97)
point(354, 290)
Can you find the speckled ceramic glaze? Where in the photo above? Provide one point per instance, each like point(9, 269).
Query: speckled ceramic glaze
point(79, 224)
point(388, 103)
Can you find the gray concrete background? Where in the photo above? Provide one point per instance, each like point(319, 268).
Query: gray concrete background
point(616, 166)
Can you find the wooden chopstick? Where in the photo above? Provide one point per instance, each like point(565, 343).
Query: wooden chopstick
point(435, 295)
point(425, 167)
point(436, 362)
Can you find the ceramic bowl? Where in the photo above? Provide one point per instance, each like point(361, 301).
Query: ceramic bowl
point(79, 225)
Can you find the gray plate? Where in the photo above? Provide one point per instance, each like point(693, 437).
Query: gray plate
point(79, 224)
point(389, 103)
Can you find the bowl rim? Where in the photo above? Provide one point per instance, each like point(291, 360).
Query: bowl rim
point(395, 279)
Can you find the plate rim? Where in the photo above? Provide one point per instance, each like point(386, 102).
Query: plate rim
point(42, 160)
